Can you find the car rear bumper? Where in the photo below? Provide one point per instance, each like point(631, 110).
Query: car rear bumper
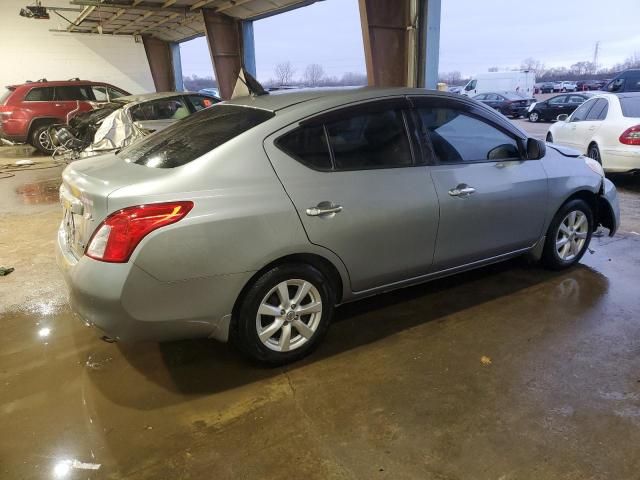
point(128, 304)
point(623, 159)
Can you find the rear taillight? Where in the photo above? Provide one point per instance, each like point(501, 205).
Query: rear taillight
point(631, 136)
point(118, 235)
point(5, 111)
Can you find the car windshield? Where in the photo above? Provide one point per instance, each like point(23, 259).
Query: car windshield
point(630, 106)
point(194, 136)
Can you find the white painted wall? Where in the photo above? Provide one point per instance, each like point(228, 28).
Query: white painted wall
point(29, 51)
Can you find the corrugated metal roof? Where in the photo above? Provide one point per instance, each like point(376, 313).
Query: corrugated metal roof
point(171, 20)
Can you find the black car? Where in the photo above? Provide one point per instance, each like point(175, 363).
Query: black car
point(546, 87)
point(551, 108)
point(584, 85)
point(627, 81)
point(510, 104)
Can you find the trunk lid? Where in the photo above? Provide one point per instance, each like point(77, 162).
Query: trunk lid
point(86, 186)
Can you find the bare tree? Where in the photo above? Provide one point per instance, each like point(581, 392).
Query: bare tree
point(352, 78)
point(284, 73)
point(313, 74)
point(533, 65)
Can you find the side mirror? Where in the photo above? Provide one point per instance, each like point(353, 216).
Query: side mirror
point(562, 117)
point(536, 149)
point(503, 152)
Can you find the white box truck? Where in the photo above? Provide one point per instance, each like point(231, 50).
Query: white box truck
point(497, 82)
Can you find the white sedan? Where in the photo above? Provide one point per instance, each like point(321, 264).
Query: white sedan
point(605, 128)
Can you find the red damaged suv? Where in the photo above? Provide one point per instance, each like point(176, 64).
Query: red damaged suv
point(27, 110)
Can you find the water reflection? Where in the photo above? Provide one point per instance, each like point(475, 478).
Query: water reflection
point(39, 192)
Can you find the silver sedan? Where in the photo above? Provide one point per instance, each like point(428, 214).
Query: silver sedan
point(251, 221)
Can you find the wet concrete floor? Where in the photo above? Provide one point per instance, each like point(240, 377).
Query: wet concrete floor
point(509, 372)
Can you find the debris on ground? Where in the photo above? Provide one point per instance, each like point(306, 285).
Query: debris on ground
point(4, 271)
point(24, 162)
point(485, 360)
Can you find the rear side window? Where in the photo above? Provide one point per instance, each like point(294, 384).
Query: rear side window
point(173, 108)
point(40, 94)
point(200, 102)
point(74, 92)
point(370, 140)
point(630, 106)
point(457, 137)
point(196, 135)
point(598, 111)
point(308, 145)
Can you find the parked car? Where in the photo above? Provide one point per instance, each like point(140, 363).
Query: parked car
point(627, 81)
point(455, 89)
point(606, 128)
point(27, 110)
point(124, 121)
point(251, 220)
point(586, 85)
point(510, 104)
point(547, 87)
point(549, 110)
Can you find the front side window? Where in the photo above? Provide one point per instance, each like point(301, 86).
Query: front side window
point(115, 93)
point(457, 137)
point(183, 142)
point(558, 100)
point(599, 110)
point(99, 93)
point(164, 109)
point(580, 113)
point(40, 94)
point(576, 99)
point(370, 140)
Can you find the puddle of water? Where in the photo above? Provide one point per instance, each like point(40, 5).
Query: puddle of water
point(39, 192)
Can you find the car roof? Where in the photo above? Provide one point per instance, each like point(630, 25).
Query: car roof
point(145, 97)
point(282, 100)
point(57, 83)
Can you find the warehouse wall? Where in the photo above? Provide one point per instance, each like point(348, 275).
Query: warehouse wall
point(28, 51)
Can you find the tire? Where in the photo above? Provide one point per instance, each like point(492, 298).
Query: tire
point(261, 329)
point(534, 116)
point(568, 235)
point(594, 152)
point(40, 139)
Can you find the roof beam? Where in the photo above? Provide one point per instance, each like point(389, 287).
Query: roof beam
point(85, 13)
point(136, 5)
point(133, 22)
point(158, 23)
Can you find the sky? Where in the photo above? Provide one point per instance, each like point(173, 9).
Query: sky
point(475, 35)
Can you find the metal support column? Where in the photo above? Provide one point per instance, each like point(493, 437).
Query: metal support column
point(160, 62)
point(429, 43)
point(176, 62)
point(248, 47)
point(224, 36)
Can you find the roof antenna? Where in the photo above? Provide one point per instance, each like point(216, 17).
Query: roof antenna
point(247, 85)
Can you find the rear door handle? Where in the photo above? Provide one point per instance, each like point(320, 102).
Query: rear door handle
point(462, 191)
point(324, 209)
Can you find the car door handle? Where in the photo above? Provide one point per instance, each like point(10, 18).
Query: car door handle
point(462, 191)
point(324, 209)
point(591, 129)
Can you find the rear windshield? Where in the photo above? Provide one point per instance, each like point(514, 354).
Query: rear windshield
point(5, 95)
point(630, 106)
point(194, 136)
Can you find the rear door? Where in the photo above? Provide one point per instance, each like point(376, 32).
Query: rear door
point(361, 190)
point(556, 106)
point(72, 97)
point(492, 200)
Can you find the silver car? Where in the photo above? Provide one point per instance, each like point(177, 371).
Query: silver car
point(250, 221)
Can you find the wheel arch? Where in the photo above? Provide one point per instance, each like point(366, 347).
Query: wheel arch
point(40, 121)
point(600, 208)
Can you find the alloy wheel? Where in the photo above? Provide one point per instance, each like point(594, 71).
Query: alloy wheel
point(572, 235)
point(45, 140)
point(534, 117)
point(289, 315)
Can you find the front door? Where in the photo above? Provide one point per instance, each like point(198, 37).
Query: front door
point(573, 132)
point(360, 191)
point(492, 200)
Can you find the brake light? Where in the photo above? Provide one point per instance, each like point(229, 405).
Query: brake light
point(631, 136)
point(5, 111)
point(118, 235)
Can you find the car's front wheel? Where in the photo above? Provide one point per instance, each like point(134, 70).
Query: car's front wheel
point(534, 117)
point(568, 235)
point(284, 314)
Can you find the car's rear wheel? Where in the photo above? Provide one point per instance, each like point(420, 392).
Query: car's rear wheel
point(534, 117)
point(594, 152)
point(41, 140)
point(568, 236)
point(284, 314)
point(549, 137)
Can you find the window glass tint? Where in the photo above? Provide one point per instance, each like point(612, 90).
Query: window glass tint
point(200, 102)
point(370, 140)
point(480, 97)
point(630, 106)
point(99, 93)
point(581, 112)
point(632, 82)
point(308, 145)
point(42, 94)
point(72, 93)
point(576, 99)
point(558, 100)
point(457, 137)
point(173, 108)
point(599, 110)
point(113, 93)
point(185, 141)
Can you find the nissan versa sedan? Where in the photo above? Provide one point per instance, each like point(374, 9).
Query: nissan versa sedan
point(250, 221)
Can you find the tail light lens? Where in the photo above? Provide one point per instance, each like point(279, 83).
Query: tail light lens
point(631, 136)
point(118, 235)
point(5, 111)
